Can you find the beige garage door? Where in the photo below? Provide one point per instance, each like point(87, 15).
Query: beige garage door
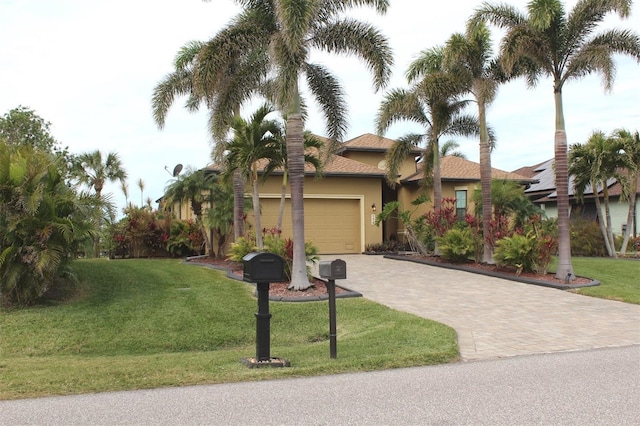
point(332, 225)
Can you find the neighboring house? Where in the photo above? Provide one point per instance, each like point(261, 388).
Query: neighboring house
point(543, 194)
point(341, 206)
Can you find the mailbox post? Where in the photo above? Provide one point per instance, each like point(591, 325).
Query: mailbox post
point(331, 271)
point(263, 268)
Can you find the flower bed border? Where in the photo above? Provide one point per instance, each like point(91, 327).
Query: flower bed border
point(496, 274)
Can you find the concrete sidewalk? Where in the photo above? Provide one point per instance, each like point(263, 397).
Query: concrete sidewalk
point(494, 317)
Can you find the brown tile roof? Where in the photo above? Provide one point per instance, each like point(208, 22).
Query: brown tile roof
point(457, 168)
point(338, 165)
point(370, 142)
point(334, 166)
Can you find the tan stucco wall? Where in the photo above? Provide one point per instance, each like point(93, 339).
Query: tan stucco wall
point(182, 210)
point(374, 158)
point(409, 193)
point(370, 158)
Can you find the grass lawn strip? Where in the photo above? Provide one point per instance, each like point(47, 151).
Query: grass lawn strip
point(156, 323)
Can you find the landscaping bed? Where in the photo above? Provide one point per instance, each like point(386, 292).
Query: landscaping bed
point(545, 280)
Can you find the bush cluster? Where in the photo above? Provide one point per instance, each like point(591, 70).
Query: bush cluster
point(273, 243)
point(141, 233)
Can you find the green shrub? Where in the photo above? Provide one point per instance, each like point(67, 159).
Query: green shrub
point(241, 248)
point(456, 244)
point(283, 247)
point(43, 224)
point(185, 239)
point(518, 251)
point(586, 239)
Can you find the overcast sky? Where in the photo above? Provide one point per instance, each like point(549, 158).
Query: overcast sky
point(89, 67)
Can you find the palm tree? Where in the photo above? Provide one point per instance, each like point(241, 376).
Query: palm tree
point(285, 33)
point(253, 140)
point(219, 215)
point(433, 102)
point(90, 169)
point(631, 151)
point(221, 73)
point(593, 165)
point(195, 186)
point(469, 57)
point(564, 47)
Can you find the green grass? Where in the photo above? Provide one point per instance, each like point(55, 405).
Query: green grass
point(137, 324)
point(619, 278)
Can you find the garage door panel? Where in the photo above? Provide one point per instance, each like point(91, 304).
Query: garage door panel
point(332, 225)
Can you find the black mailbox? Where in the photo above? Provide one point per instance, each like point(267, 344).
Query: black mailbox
point(263, 267)
point(333, 269)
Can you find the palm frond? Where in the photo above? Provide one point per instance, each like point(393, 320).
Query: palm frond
point(398, 105)
point(328, 92)
point(353, 37)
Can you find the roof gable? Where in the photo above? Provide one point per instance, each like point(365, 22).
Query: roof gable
point(372, 143)
point(458, 168)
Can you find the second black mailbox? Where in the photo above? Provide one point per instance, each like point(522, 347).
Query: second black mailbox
point(333, 269)
point(263, 267)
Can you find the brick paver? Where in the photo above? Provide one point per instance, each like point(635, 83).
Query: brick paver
point(494, 317)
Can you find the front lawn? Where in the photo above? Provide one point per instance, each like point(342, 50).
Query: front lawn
point(619, 278)
point(136, 324)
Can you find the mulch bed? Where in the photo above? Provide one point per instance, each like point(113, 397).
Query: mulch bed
point(277, 291)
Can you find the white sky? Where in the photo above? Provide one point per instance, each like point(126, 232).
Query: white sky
point(89, 67)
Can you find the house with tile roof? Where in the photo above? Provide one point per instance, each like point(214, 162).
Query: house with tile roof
point(341, 206)
point(542, 192)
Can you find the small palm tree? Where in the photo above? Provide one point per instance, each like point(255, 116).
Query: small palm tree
point(90, 169)
point(195, 186)
point(564, 47)
point(253, 140)
point(594, 165)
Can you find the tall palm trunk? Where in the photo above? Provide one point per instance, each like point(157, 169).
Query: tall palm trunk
point(565, 268)
point(256, 207)
point(283, 198)
point(295, 155)
point(485, 184)
point(437, 176)
point(238, 204)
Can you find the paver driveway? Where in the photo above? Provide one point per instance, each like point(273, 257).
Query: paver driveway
point(494, 317)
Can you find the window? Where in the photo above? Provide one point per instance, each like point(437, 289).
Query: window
point(461, 204)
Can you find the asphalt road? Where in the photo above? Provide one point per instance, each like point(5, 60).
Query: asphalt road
point(597, 387)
